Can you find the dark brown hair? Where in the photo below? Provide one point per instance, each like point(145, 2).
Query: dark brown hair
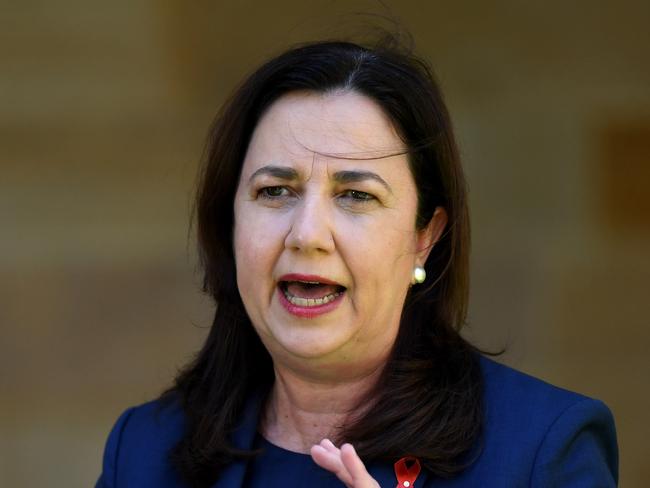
point(428, 401)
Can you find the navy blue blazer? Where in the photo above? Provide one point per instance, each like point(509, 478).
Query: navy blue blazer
point(535, 435)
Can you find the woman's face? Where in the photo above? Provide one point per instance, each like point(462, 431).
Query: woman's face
point(325, 246)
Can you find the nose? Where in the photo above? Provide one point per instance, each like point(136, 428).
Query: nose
point(311, 229)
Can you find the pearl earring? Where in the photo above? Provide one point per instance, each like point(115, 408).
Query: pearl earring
point(419, 275)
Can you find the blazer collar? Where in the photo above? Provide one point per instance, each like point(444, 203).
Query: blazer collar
point(243, 437)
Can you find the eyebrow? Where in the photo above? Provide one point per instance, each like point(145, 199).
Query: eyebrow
point(290, 174)
point(357, 176)
point(281, 172)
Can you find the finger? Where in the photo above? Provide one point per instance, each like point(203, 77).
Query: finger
point(353, 464)
point(329, 445)
point(331, 461)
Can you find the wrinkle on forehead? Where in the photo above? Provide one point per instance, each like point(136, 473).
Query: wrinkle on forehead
point(325, 127)
point(336, 120)
point(328, 158)
point(351, 156)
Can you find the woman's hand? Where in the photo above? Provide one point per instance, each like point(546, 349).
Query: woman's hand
point(344, 463)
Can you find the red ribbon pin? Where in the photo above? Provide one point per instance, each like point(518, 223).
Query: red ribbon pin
point(407, 470)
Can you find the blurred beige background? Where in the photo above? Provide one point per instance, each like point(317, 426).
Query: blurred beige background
point(104, 108)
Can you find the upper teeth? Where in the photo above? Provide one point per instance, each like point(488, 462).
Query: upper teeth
point(310, 302)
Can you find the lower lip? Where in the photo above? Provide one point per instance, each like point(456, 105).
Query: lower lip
point(309, 312)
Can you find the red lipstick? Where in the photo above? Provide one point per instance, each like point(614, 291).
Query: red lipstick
point(307, 278)
point(303, 307)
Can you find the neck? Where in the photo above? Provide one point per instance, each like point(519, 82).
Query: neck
point(301, 412)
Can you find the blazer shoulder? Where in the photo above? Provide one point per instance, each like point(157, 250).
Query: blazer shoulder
point(549, 432)
point(154, 421)
point(506, 388)
point(579, 448)
point(111, 450)
point(139, 445)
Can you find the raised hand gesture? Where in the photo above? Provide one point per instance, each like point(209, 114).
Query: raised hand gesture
point(344, 463)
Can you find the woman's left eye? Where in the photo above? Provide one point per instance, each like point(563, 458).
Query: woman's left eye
point(358, 196)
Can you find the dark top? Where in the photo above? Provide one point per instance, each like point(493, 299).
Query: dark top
point(277, 467)
point(535, 435)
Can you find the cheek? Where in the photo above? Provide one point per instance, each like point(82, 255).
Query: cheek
point(258, 239)
point(377, 247)
point(380, 260)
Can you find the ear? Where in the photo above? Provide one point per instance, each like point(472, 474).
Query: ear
point(427, 237)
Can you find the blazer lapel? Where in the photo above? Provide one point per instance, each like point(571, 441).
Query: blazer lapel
point(242, 438)
point(422, 480)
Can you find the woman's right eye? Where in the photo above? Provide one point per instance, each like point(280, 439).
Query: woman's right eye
point(273, 192)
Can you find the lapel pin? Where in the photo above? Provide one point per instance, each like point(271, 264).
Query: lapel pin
point(407, 470)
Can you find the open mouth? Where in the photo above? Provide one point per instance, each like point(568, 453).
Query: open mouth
point(310, 293)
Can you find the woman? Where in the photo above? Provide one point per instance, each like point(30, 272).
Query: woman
point(333, 230)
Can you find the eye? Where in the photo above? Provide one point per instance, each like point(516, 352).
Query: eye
point(358, 196)
point(273, 192)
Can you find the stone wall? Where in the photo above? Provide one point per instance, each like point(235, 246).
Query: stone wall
point(104, 113)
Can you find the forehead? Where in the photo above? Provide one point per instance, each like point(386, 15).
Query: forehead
point(345, 128)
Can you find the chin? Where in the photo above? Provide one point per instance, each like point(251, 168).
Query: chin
point(311, 349)
point(308, 345)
